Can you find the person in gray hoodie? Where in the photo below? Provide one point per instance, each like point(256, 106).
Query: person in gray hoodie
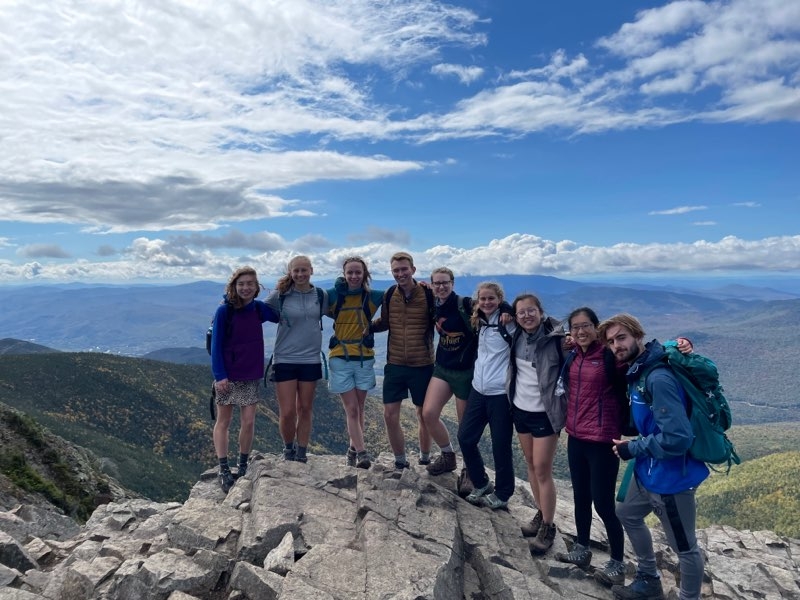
point(296, 359)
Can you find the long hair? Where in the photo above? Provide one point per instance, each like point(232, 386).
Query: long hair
point(585, 310)
point(230, 289)
point(475, 319)
point(285, 282)
point(367, 277)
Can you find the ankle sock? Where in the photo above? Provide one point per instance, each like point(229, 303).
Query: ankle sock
point(400, 458)
point(243, 462)
point(424, 455)
point(223, 464)
point(448, 448)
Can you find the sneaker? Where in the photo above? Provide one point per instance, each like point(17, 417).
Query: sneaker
point(289, 453)
point(493, 502)
point(362, 460)
point(464, 487)
point(532, 529)
point(424, 460)
point(445, 463)
point(400, 465)
point(643, 587)
point(580, 555)
point(226, 480)
point(611, 574)
point(544, 539)
point(475, 495)
point(351, 457)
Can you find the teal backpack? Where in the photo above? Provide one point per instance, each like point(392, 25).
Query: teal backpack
point(706, 406)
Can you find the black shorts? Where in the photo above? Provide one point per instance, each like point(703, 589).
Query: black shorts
point(535, 423)
point(300, 372)
point(399, 380)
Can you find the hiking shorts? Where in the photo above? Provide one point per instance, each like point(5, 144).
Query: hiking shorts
point(399, 380)
point(460, 382)
point(347, 375)
point(240, 393)
point(300, 372)
point(535, 423)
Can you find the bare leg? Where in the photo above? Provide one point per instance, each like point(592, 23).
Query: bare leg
point(221, 427)
point(391, 417)
point(544, 450)
point(424, 435)
point(306, 391)
point(436, 397)
point(287, 408)
point(354, 414)
point(247, 416)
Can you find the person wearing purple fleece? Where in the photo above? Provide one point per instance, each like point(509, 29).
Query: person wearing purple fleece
point(237, 362)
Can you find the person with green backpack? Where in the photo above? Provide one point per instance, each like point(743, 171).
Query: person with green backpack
point(666, 475)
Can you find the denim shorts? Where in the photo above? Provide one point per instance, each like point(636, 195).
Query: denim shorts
point(351, 374)
point(399, 380)
point(535, 423)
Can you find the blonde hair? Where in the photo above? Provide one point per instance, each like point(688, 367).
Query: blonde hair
point(367, 277)
point(230, 288)
point(625, 320)
point(285, 282)
point(401, 256)
point(484, 285)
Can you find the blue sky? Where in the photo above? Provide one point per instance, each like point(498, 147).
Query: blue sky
point(173, 141)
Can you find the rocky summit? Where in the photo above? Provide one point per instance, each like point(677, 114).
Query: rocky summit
point(324, 531)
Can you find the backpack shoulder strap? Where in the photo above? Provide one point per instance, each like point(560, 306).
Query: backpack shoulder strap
point(466, 313)
point(567, 362)
point(365, 305)
point(387, 300)
point(505, 335)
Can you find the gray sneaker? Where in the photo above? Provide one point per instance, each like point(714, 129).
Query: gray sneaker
point(613, 573)
point(580, 555)
point(492, 501)
point(475, 495)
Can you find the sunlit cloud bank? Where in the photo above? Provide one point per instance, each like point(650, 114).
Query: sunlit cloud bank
point(178, 260)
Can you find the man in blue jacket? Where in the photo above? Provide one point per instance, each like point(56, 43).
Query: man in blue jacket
point(665, 475)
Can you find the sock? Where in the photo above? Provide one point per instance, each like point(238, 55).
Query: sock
point(301, 451)
point(424, 455)
point(288, 445)
point(223, 464)
point(400, 458)
point(448, 448)
point(243, 462)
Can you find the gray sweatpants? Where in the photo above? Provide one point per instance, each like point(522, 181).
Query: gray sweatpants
point(677, 513)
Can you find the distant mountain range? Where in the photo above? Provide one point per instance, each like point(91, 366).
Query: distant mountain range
point(747, 330)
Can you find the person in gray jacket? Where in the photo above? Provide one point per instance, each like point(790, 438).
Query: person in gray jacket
point(296, 359)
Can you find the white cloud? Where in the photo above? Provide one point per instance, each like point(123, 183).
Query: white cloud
point(678, 210)
point(161, 260)
point(465, 75)
point(747, 204)
point(704, 223)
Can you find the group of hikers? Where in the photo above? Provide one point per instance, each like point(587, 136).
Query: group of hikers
point(509, 366)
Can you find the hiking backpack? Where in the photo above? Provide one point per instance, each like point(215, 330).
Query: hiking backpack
point(706, 405)
point(618, 384)
point(368, 340)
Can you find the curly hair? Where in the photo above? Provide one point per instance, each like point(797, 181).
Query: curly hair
point(230, 289)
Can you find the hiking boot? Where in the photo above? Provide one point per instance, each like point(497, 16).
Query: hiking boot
point(241, 472)
point(544, 539)
point(424, 460)
point(289, 453)
point(475, 495)
point(464, 486)
point(492, 501)
point(362, 460)
point(643, 587)
point(611, 574)
point(226, 480)
point(580, 555)
point(351, 457)
point(532, 529)
point(445, 463)
point(400, 465)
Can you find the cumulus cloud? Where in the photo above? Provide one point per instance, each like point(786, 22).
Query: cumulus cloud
point(154, 259)
point(464, 74)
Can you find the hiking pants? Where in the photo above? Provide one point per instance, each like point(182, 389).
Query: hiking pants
point(593, 468)
point(677, 514)
point(496, 412)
